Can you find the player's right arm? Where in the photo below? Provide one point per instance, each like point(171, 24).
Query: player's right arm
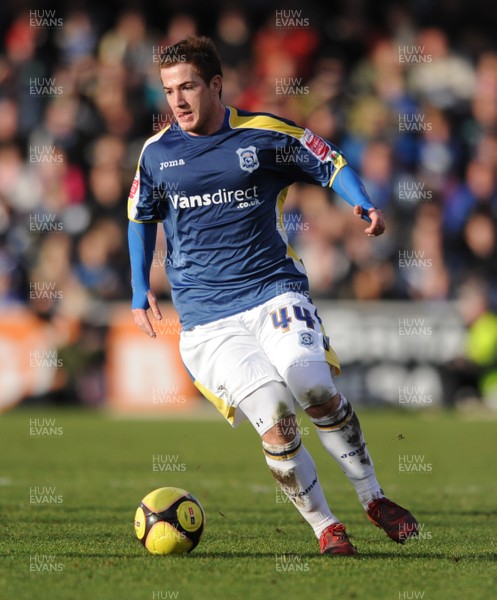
point(141, 242)
point(143, 214)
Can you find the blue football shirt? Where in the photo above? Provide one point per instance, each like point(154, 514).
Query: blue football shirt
point(220, 198)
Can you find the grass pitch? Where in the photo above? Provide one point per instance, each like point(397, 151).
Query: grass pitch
point(70, 486)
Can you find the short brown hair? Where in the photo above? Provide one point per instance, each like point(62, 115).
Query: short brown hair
point(198, 51)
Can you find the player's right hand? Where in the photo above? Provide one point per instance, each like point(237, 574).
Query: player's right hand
point(140, 315)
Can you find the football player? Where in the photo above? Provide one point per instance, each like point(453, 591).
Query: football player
point(251, 338)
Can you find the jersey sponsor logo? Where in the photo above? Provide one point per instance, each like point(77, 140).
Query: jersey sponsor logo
point(316, 145)
point(248, 158)
point(171, 163)
point(244, 198)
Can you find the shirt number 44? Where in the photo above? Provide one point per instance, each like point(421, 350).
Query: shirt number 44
point(281, 318)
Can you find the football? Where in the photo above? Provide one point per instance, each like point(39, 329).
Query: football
point(169, 520)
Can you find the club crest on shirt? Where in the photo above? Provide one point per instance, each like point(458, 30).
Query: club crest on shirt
point(306, 338)
point(248, 158)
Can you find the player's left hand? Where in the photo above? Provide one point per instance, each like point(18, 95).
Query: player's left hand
point(377, 226)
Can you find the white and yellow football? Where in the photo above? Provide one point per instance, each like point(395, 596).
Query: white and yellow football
point(169, 520)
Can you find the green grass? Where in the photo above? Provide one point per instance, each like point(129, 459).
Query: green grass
point(102, 467)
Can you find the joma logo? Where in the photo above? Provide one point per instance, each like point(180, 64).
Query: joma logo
point(172, 163)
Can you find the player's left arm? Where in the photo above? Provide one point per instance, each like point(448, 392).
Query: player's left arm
point(347, 184)
point(324, 164)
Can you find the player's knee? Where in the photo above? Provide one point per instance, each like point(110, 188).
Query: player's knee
point(313, 387)
point(282, 433)
point(328, 407)
point(271, 411)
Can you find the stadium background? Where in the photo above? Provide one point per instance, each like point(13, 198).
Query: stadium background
point(407, 90)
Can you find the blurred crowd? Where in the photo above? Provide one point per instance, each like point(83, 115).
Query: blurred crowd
point(412, 106)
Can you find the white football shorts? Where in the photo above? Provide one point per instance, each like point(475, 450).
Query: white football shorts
point(230, 358)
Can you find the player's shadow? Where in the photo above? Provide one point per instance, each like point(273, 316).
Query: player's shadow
point(480, 557)
point(249, 554)
point(364, 555)
point(460, 513)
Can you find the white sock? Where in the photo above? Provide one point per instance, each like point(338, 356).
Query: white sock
point(341, 435)
point(292, 466)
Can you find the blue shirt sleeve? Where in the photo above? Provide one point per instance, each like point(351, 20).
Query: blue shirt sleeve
point(315, 160)
point(145, 202)
point(349, 187)
point(141, 242)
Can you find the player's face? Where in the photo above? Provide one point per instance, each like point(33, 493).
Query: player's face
point(190, 98)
